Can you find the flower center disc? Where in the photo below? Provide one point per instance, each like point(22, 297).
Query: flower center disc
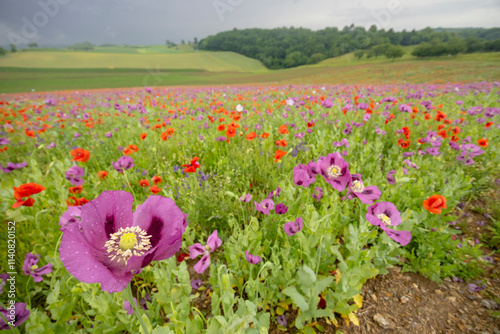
point(333, 171)
point(386, 220)
point(127, 242)
point(358, 187)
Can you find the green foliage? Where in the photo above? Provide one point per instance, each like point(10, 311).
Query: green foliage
point(85, 46)
point(394, 52)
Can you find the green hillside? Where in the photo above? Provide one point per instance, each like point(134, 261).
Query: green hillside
point(207, 61)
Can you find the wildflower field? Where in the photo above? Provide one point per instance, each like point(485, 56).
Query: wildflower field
point(122, 208)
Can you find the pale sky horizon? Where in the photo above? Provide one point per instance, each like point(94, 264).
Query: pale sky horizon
point(147, 22)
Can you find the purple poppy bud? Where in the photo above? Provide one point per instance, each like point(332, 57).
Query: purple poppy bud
point(3, 280)
point(128, 307)
point(246, 198)
point(281, 320)
point(318, 194)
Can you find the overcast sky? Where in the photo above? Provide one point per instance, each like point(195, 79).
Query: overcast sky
point(63, 22)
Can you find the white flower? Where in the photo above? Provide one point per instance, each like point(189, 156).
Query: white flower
point(290, 102)
point(239, 108)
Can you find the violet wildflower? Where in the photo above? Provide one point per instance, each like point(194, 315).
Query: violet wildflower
point(12, 166)
point(385, 214)
point(327, 103)
point(4, 141)
point(74, 175)
point(30, 267)
point(124, 163)
point(112, 243)
point(252, 259)
point(303, 176)
point(213, 242)
point(365, 194)
point(281, 209)
point(275, 193)
point(16, 316)
point(335, 170)
point(475, 288)
point(488, 259)
point(265, 206)
point(221, 138)
point(293, 227)
point(76, 135)
point(109, 135)
point(317, 194)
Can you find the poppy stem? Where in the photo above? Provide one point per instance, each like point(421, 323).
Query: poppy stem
point(128, 183)
point(136, 309)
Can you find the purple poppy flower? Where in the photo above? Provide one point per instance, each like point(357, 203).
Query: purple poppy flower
point(275, 193)
point(109, 134)
point(112, 243)
point(76, 135)
point(390, 177)
point(384, 214)
point(318, 194)
point(281, 320)
point(474, 287)
point(3, 281)
point(30, 267)
point(281, 209)
point(213, 242)
point(4, 141)
point(246, 198)
point(196, 284)
point(15, 314)
point(252, 259)
point(380, 131)
point(432, 151)
point(128, 307)
point(327, 103)
point(72, 215)
point(341, 143)
point(12, 166)
point(335, 170)
point(293, 227)
point(221, 138)
point(300, 135)
point(489, 259)
point(74, 175)
point(124, 163)
point(365, 194)
point(265, 206)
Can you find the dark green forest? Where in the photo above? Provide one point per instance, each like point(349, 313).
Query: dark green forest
point(291, 47)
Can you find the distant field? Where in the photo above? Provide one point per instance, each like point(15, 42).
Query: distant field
point(208, 61)
point(341, 70)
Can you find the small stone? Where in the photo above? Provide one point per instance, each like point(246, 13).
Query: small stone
point(383, 322)
point(496, 331)
point(415, 286)
point(438, 292)
point(374, 297)
point(451, 299)
point(472, 297)
point(487, 304)
point(404, 300)
point(447, 279)
point(493, 304)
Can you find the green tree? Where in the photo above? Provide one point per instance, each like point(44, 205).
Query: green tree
point(316, 58)
point(2, 51)
point(33, 45)
point(294, 59)
point(13, 48)
point(359, 54)
point(394, 52)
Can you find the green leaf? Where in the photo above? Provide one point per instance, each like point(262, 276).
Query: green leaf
point(297, 298)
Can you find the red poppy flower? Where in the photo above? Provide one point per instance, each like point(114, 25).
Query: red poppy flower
point(29, 133)
point(483, 142)
point(278, 155)
point(102, 174)
point(231, 132)
point(283, 129)
point(265, 135)
point(181, 257)
point(164, 136)
point(76, 201)
point(281, 143)
point(76, 190)
point(487, 125)
point(27, 189)
point(221, 127)
point(251, 136)
point(144, 183)
point(154, 189)
point(143, 136)
point(157, 179)
point(435, 203)
point(170, 131)
point(80, 155)
point(191, 168)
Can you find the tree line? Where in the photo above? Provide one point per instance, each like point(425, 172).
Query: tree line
point(291, 47)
